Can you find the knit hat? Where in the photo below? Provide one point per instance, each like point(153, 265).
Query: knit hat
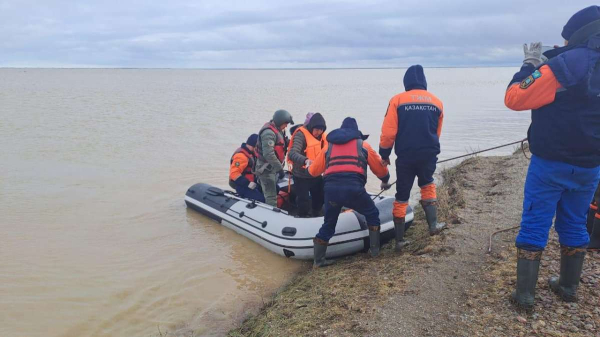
point(252, 139)
point(308, 116)
point(316, 121)
point(415, 78)
point(579, 20)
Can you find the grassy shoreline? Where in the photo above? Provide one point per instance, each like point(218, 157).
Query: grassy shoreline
point(341, 299)
point(446, 285)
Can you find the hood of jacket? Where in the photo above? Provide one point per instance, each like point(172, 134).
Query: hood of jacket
point(415, 78)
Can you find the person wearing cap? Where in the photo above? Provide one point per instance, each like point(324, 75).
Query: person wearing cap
point(563, 96)
point(343, 163)
point(306, 143)
point(241, 176)
point(413, 125)
point(271, 149)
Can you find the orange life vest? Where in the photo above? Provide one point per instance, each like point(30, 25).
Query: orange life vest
point(247, 173)
point(313, 145)
point(280, 149)
point(346, 158)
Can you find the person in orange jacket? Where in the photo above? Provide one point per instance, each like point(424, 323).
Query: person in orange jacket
point(413, 125)
point(343, 163)
point(241, 175)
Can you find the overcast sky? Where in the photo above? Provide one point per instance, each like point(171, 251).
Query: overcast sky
point(275, 34)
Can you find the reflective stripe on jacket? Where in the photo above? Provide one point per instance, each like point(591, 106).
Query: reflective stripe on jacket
point(412, 124)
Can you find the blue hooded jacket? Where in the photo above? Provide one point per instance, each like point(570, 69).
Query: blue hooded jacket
point(414, 78)
point(568, 129)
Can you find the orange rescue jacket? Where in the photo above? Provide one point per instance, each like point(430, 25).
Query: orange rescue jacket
point(241, 164)
point(313, 145)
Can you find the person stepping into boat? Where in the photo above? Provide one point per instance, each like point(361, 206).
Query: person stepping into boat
point(241, 176)
point(343, 163)
point(270, 149)
point(563, 96)
point(413, 125)
point(306, 143)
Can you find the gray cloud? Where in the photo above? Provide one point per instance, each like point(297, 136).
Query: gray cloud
point(271, 34)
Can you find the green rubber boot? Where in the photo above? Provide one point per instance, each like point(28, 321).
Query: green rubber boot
point(320, 249)
point(375, 240)
point(528, 265)
point(430, 209)
point(571, 265)
point(400, 226)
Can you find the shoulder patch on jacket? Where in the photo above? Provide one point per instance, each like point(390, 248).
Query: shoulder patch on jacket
point(527, 82)
point(237, 164)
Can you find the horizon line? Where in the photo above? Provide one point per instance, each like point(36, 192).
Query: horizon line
point(233, 68)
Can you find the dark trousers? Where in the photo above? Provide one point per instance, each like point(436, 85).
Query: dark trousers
point(351, 195)
point(408, 169)
point(305, 189)
point(255, 194)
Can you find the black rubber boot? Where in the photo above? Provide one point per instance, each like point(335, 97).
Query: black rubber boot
point(374, 239)
point(571, 265)
point(400, 226)
point(320, 249)
point(595, 235)
point(430, 209)
point(528, 265)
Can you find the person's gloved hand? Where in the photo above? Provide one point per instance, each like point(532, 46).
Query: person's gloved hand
point(252, 185)
point(385, 162)
point(385, 186)
point(307, 163)
point(281, 175)
point(533, 53)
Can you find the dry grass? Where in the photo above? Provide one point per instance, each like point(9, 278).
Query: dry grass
point(341, 300)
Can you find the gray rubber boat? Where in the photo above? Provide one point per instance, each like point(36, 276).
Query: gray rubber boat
point(284, 234)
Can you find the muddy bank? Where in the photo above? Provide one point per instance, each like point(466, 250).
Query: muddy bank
point(446, 285)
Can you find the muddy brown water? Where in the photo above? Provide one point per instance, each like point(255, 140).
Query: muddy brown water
point(95, 239)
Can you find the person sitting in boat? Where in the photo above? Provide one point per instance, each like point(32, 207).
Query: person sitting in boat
point(241, 176)
point(343, 163)
point(306, 143)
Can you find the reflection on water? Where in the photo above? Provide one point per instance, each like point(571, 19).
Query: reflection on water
point(96, 238)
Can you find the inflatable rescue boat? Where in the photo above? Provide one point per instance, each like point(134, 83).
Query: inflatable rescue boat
point(282, 233)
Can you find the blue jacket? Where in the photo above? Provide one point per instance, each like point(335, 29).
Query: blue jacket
point(567, 128)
